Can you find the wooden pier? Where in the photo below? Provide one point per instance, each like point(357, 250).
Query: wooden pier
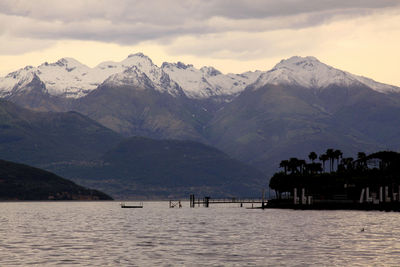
point(207, 201)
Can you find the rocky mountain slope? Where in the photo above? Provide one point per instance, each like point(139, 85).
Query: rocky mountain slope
point(45, 137)
point(303, 105)
point(78, 148)
point(144, 168)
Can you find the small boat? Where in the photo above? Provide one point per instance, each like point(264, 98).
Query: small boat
point(125, 206)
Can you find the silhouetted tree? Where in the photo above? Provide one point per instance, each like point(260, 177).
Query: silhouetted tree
point(323, 158)
point(331, 156)
point(314, 168)
point(312, 156)
point(293, 165)
point(284, 164)
point(347, 164)
point(278, 182)
point(307, 175)
point(337, 154)
point(361, 161)
point(302, 164)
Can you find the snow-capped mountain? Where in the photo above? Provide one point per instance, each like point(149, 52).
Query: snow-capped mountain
point(309, 72)
point(138, 69)
point(69, 78)
point(133, 76)
point(66, 77)
point(207, 81)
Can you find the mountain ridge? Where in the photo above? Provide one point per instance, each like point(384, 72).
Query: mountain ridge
point(69, 78)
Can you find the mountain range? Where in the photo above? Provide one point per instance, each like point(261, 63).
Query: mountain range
point(260, 117)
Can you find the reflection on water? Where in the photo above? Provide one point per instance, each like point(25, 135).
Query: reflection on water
point(103, 234)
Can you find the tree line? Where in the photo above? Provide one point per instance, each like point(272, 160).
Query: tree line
point(333, 157)
point(332, 171)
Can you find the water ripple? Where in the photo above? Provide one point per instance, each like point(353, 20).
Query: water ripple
point(103, 234)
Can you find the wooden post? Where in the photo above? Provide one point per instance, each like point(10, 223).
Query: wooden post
point(263, 198)
point(303, 196)
point(387, 198)
point(192, 201)
point(206, 201)
point(362, 195)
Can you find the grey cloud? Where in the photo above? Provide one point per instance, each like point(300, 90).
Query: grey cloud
point(132, 21)
point(16, 46)
point(248, 47)
point(262, 9)
point(177, 10)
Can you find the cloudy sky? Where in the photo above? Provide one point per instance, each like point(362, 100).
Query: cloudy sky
point(360, 36)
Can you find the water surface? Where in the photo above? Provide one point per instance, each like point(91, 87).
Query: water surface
point(103, 234)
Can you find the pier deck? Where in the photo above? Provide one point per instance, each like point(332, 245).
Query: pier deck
point(206, 201)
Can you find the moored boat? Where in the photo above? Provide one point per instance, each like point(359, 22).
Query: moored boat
point(126, 206)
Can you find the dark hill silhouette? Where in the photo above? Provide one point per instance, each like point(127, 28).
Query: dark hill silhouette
point(23, 182)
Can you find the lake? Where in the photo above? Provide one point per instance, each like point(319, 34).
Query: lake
point(103, 234)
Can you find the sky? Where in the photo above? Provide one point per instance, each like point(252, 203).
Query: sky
point(359, 36)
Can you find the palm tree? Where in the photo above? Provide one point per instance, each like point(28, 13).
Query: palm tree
point(317, 167)
point(347, 163)
point(302, 164)
point(337, 154)
point(308, 169)
point(284, 164)
point(314, 168)
point(293, 164)
point(330, 153)
point(323, 158)
point(361, 155)
point(312, 156)
point(361, 158)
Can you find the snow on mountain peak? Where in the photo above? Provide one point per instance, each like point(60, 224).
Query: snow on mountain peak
point(144, 76)
point(210, 71)
point(178, 65)
point(296, 62)
point(309, 72)
point(69, 62)
point(138, 59)
point(15, 80)
point(207, 81)
point(130, 76)
point(139, 54)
